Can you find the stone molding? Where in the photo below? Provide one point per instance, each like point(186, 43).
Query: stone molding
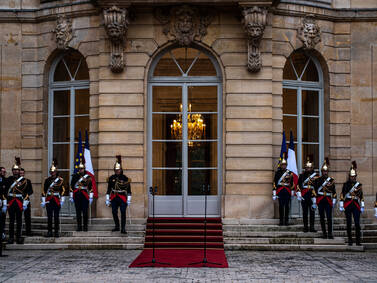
point(309, 32)
point(63, 32)
point(254, 21)
point(184, 24)
point(116, 25)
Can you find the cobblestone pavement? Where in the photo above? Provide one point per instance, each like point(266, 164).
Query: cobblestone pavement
point(244, 266)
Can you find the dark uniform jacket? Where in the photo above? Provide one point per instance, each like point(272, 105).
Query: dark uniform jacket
point(81, 184)
point(305, 183)
point(324, 188)
point(3, 184)
point(356, 196)
point(119, 185)
point(286, 183)
point(18, 189)
point(53, 189)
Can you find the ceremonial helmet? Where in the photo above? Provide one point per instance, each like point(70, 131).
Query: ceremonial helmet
point(17, 164)
point(353, 172)
point(309, 162)
point(54, 165)
point(283, 160)
point(325, 165)
point(118, 163)
point(82, 163)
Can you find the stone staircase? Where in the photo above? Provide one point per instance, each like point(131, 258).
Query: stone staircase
point(239, 234)
point(265, 234)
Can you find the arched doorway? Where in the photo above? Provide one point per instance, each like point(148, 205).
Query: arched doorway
point(68, 111)
point(185, 132)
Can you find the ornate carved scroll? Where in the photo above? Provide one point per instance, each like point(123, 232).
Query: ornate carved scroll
point(63, 32)
point(254, 21)
point(309, 32)
point(116, 25)
point(184, 24)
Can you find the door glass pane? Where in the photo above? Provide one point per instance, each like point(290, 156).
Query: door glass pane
point(166, 67)
point(289, 101)
point(199, 178)
point(167, 127)
point(61, 153)
point(168, 182)
point(310, 102)
point(61, 73)
point(313, 151)
point(65, 175)
point(311, 73)
point(185, 57)
point(82, 101)
point(202, 98)
point(61, 130)
point(202, 67)
point(310, 131)
point(167, 99)
point(290, 123)
point(81, 123)
point(167, 154)
point(202, 154)
point(62, 103)
point(299, 60)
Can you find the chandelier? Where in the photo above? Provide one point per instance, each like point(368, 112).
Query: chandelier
point(195, 125)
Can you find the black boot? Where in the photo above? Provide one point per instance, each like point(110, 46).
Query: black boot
point(10, 241)
point(116, 228)
point(123, 231)
point(323, 226)
point(49, 234)
point(79, 225)
point(19, 240)
point(306, 229)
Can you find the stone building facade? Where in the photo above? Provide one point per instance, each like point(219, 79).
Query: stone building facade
point(252, 46)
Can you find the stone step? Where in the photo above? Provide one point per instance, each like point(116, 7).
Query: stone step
point(296, 221)
point(84, 240)
point(287, 247)
point(285, 241)
point(370, 246)
point(54, 246)
point(292, 228)
point(97, 227)
point(72, 220)
point(292, 234)
point(43, 232)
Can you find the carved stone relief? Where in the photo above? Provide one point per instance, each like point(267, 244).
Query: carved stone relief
point(63, 32)
point(116, 25)
point(309, 32)
point(184, 24)
point(254, 21)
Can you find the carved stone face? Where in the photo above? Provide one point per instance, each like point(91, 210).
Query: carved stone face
point(115, 31)
point(311, 30)
point(63, 33)
point(185, 23)
point(254, 30)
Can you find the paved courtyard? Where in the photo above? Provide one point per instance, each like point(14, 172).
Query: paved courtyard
point(244, 266)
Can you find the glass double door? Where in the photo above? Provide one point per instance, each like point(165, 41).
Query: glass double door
point(184, 148)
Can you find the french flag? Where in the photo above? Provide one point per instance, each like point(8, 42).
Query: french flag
point(291, 161)
point(89, 166)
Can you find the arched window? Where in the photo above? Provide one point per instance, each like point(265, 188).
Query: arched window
point(184, 131)
point(303, 106)
point(68, 108)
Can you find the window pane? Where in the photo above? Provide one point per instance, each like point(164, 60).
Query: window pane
point(61, 153)
point(290, 123)
point(288, 71)
point(168, 182)
point(202, 126)
point(81, 123)
point(299, 60)
point(62, 102)
point(310, 131)
point(61, 130)
point(311, 73)
point(203, 67)
point(289, 101)
point(167, 154)
point(65, 175)
point(313, 150)
point(202, 154)
point(199, 178)
point(82, 101)
point(83, 71)
point(185, 57)
point(167, 67)
point(167, 127)
point(167, 99)
point(310, 102)
point(61, 73)
point(202, 98)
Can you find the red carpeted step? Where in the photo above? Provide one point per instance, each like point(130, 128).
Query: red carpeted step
point(183, 232)
point(187, 245)
point(183, 220)
point(176, 238)
point(210, 226)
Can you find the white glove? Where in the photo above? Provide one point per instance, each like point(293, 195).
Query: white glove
point(299, 197)
point(375, 212)
point(25, 204)
point(62, 200)
point(107, 200)
point(362, 209)
point(5, 206)
point(128, 199)
point(90, 198)
point(71, 197)
point(292, 193)
point(43, 203)
point(333, 201)
point(314, 203)
point(341, 206)
point(274, 197)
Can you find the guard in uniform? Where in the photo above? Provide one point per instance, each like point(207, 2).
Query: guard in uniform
point(18, 200)
point(304, 193)
point(27, 212)
point(375, 207)
point(119, 195)
point(352, 202)
point(283, 190)
point(53, 198)
point(324, 196)
point(3, 193)
point(81, 194)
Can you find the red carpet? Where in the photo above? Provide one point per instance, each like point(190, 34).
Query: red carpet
point(180, 258)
